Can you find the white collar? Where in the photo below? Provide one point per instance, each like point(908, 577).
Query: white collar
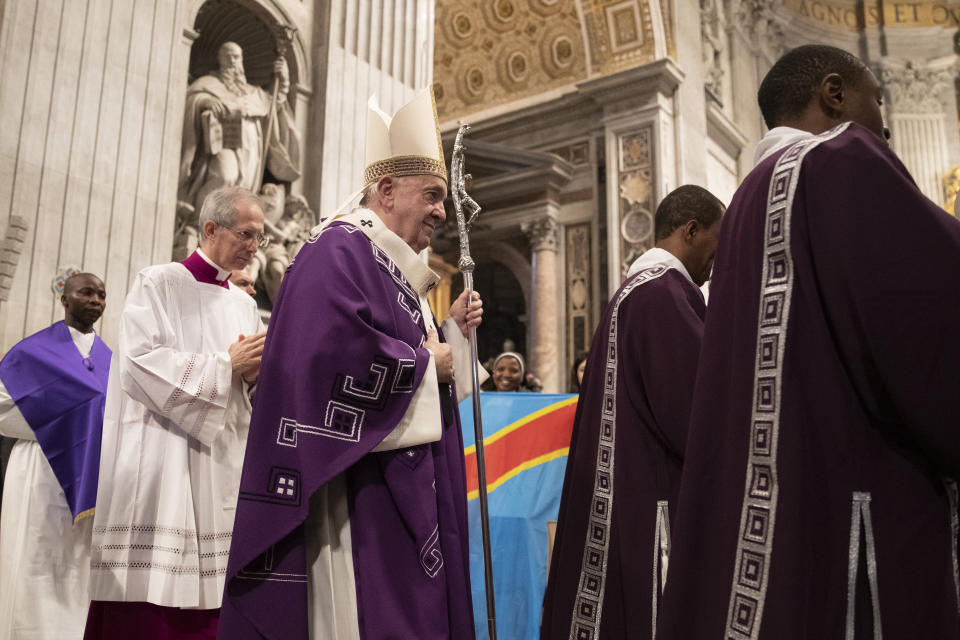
point(776, 139)
point(84, 341)
point(657, 256)
point(411, 265)
point(221, 274)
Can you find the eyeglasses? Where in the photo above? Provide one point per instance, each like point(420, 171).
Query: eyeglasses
point(247, 237)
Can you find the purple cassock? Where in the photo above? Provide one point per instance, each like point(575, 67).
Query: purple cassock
point(817, 499)
point(342, 359)
point(61, 395)
point(623, 470)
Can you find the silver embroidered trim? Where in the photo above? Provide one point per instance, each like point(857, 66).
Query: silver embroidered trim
point(588, 605)
point(661, 559)
point(758, 512)
point(860, 520)
point(954, 498)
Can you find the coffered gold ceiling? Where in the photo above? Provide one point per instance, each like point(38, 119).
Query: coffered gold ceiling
point(490, 52)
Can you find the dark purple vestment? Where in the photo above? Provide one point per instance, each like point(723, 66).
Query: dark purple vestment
point(815, 502)
point(623, 470)
point(342, 359)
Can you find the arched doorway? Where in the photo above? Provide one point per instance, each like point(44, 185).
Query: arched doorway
point(504, 310)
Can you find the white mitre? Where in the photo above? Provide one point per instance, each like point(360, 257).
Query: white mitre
point(408, 144)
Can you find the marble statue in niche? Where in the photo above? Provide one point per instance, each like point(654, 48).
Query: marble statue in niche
point(287, 223)
point(233, 134)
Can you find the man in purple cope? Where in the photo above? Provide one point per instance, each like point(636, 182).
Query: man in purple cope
point(623, 470)
point(352, 518)
point(818, 497)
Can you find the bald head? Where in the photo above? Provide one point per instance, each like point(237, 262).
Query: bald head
point(84, 299)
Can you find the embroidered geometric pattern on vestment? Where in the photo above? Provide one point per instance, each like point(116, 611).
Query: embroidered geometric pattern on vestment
point(588, 605)
point(389, 267)
point(431, 558)
point(350, 399)
point(758, 512)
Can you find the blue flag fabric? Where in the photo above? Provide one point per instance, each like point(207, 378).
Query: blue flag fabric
point(526, 440)
point(61, 396)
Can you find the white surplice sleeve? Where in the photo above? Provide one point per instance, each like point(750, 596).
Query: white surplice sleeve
point(12, 422)
point(189, 390)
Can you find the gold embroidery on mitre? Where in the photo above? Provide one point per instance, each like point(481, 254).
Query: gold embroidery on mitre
point(404, 166)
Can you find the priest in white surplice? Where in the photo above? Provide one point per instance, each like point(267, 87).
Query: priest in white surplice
point(175, 428)
point(52, 387)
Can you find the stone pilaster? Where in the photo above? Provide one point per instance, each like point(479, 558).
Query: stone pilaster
point(544, 355)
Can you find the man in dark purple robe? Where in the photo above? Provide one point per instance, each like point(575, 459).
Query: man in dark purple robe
point(623, 472)
point(818, 498)
point(352, 520)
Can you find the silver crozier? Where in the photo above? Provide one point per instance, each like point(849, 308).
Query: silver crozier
point(461, 201)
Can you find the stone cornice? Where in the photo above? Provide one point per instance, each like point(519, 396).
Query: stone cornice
point(639, 85)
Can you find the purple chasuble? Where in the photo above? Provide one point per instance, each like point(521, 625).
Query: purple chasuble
point(815, 500)
point(61, 395)
point(342, 360)
point(203, 271)
point(623, 470)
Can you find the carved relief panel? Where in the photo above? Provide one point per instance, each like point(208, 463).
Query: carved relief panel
point(636, 201)
point(578, 278)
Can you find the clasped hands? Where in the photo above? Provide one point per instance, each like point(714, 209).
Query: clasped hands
point(245, 355)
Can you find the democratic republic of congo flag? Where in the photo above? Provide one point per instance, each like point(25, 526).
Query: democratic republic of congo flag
point(526, 440)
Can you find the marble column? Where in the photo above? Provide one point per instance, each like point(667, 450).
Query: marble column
point(918, 132)
point(544, 356)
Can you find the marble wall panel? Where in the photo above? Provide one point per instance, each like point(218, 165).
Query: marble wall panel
point(91, 102)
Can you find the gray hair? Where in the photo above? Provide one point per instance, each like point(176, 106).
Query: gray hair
point(369, 194)
point(220, 205)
